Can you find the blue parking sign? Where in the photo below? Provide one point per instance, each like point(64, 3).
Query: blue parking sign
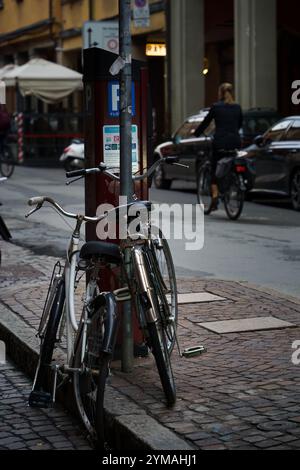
point(113, 94)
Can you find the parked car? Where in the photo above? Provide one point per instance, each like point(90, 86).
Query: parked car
point(192, 150)
point(256, 122)
point(276, 156)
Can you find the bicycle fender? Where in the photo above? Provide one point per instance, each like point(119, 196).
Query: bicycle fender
point(110, 324)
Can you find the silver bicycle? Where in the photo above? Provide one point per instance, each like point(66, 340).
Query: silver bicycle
point(149, 279)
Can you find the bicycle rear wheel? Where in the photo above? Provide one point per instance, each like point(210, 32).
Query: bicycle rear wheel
point(40, 394)
point(7, 165)
point(234, 199)
point(204, 194)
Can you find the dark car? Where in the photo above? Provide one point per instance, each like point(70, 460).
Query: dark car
point(192, 150)
point(276, 156)
point(256, 122)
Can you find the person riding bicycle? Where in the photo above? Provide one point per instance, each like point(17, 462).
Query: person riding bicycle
point(228, 118)
point(4, 126)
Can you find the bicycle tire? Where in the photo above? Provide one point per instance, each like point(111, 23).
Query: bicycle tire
point(240, 198)
point(49, 339)
point(7, 166)
point(167, 271)
point(160, 352)
point(100, 416)
point(88, 390)
point(204, 195)
point(157, 333)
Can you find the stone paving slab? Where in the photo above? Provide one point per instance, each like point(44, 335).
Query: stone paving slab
point(244, 393)
point(198, 297)
point(247, 324)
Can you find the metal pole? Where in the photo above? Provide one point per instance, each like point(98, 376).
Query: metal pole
point(126, 188)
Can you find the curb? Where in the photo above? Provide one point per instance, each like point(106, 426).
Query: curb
point(270, 291)
point(128, 426)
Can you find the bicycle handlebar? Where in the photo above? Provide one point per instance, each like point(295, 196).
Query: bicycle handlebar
point(102, 168)
point(39, 201)
point(34, 201)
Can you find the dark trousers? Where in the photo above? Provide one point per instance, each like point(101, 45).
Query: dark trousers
point(215, 157)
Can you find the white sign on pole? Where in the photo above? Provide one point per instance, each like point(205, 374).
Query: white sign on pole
point(141, 13)
point(111, 146)
point(2, 92)
point(102, 34)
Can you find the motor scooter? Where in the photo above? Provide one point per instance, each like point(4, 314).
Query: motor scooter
point(72, 157)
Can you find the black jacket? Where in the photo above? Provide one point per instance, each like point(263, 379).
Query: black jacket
point(229, 120)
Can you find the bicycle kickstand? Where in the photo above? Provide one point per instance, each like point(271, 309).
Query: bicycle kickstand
point(56, 368)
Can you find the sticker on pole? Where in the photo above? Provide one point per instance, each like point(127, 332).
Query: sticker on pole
point(141, 13)
point(113, 94)
point(111, 147)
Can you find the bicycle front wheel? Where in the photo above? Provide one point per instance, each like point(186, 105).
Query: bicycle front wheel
point(7, 163)
point(204, 193)
point(234, 199)
point(164, 266)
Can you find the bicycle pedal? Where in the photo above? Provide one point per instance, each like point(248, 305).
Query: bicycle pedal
point(193, 352)
point(39, 399)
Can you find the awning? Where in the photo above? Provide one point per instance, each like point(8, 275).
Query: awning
point(7, 68)
point(46, 80)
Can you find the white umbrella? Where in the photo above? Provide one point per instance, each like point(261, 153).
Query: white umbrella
point(46, 80)
point(7, 68)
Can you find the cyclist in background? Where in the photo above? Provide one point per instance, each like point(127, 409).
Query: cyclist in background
point(228, 118)
point(4, 126)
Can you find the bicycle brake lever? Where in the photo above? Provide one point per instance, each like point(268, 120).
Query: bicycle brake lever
point(73, 181)
point(33, 210)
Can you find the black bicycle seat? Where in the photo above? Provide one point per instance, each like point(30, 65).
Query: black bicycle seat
point(109, 251)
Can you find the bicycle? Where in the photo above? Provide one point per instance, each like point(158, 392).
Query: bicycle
point(232, 186)
point(7, 165)
point(4, 232)
point(90, 351)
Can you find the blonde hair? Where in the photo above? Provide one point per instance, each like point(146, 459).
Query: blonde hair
point(226, 93)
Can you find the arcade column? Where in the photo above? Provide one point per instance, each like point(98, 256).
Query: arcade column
point(256, 53)
point(185, 57)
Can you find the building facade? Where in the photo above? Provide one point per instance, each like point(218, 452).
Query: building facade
point(252, 43)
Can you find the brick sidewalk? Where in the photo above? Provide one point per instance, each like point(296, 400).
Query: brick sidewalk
point(242, 394)
point(26, 428)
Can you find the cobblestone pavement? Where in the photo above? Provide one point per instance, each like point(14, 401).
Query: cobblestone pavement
point(244, 393)
point(28, 428)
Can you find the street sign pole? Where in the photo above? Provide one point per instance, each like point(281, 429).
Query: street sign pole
point(126, 188)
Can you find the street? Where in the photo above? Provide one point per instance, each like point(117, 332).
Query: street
point(262, 248)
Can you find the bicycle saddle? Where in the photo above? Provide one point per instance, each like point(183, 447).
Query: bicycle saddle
point(109, 251)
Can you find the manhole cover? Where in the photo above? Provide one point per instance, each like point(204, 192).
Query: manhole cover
point(276, 426)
